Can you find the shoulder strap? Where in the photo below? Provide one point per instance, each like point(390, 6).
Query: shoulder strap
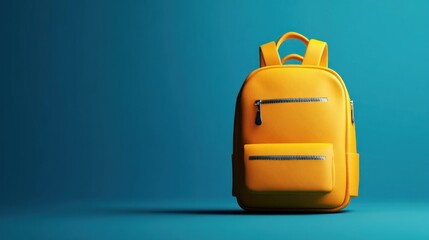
point(268, 55)
point(316, 53)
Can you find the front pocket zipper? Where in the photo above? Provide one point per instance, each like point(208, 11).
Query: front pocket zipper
point(258, 103)
point(287, 157)
point(293, 167)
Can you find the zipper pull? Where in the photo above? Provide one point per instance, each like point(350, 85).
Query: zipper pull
point(352, 112)
point(258, 119)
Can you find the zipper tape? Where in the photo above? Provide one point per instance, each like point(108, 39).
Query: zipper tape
point(287, 157)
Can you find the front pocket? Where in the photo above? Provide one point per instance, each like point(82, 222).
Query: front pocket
point(289, 167)
point(259, 103)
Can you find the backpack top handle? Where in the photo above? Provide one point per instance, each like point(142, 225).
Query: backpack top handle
point(316, 53)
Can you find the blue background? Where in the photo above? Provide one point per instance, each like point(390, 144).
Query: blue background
point(134, 100)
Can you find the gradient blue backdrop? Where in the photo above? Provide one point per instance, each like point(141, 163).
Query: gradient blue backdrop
point(134, 100)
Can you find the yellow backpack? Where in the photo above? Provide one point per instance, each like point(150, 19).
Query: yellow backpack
point(294, 134)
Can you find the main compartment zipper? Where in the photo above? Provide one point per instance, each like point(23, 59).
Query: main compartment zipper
point(287, 157)
point(258, 103)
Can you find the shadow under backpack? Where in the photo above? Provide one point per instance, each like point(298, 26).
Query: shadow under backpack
point(294, 146)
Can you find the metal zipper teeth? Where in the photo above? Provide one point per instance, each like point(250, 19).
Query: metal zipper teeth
point(293, 100)
point(288, 157)
point(258, 103)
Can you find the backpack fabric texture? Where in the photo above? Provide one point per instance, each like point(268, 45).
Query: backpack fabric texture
point(294, 146)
